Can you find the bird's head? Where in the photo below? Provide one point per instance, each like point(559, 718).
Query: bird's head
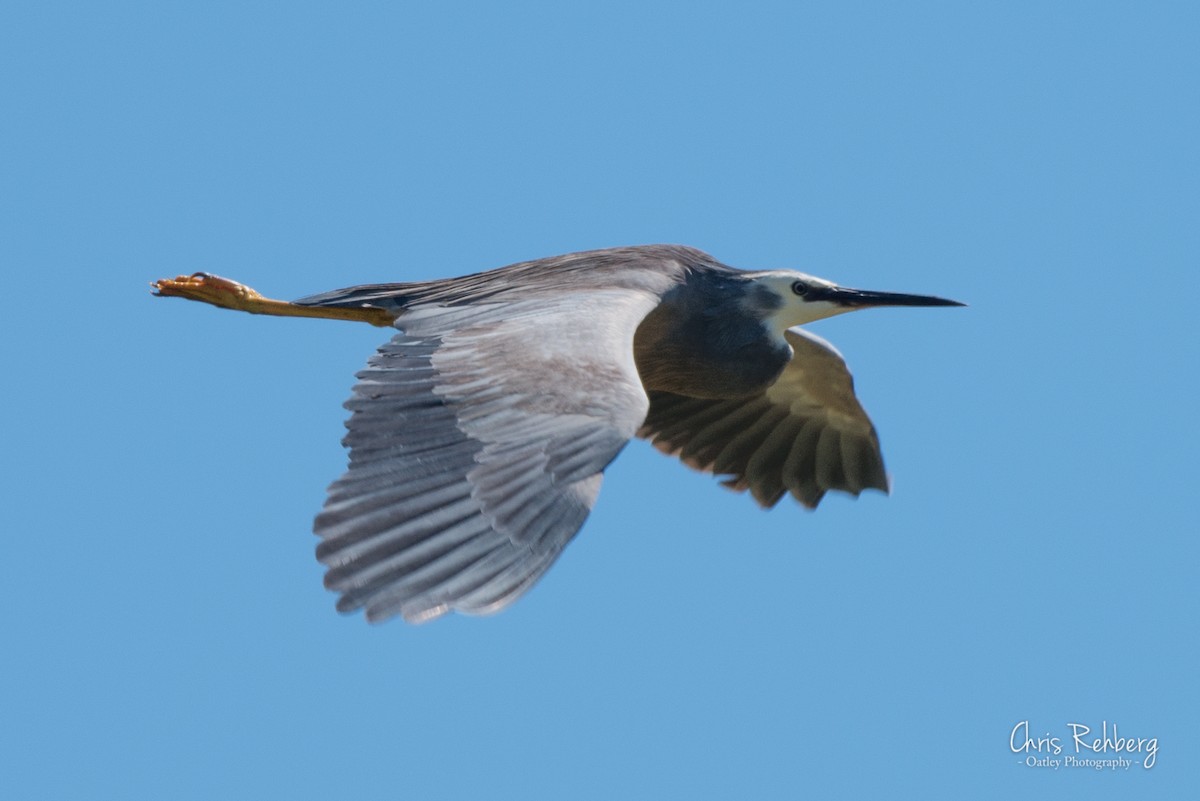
point(786, 298)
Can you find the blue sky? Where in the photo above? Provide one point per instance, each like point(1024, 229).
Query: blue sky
point(166, 633)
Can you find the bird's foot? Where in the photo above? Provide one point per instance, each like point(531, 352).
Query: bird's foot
point(227, 294)
point(212, 289)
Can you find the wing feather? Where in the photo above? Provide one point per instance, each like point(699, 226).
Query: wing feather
point(477, 440)
point(806, 434)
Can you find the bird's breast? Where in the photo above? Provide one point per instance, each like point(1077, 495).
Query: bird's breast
point(707, 356)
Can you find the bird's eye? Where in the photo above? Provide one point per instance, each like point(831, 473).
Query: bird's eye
point(801, 288)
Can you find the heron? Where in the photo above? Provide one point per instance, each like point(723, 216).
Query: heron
point(479, 434)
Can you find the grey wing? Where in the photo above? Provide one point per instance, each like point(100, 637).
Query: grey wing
point(477, 442)
point(806, 434)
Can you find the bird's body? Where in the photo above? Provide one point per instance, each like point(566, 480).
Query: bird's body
point(479, 434)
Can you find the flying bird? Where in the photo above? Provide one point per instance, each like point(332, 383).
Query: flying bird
point(479, 434)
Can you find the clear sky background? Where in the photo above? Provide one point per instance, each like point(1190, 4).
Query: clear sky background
point(165, 633)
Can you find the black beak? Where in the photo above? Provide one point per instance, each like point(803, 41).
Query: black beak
point(862, 297)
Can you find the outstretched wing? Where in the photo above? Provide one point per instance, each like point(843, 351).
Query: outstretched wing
point(477, 441)
point(807, 434)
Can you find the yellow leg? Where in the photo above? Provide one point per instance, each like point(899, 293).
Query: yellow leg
point(227, 294)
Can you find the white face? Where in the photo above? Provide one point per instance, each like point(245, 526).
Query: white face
point(796, 310)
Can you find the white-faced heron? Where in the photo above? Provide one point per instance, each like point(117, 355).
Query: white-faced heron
point(478, 434)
